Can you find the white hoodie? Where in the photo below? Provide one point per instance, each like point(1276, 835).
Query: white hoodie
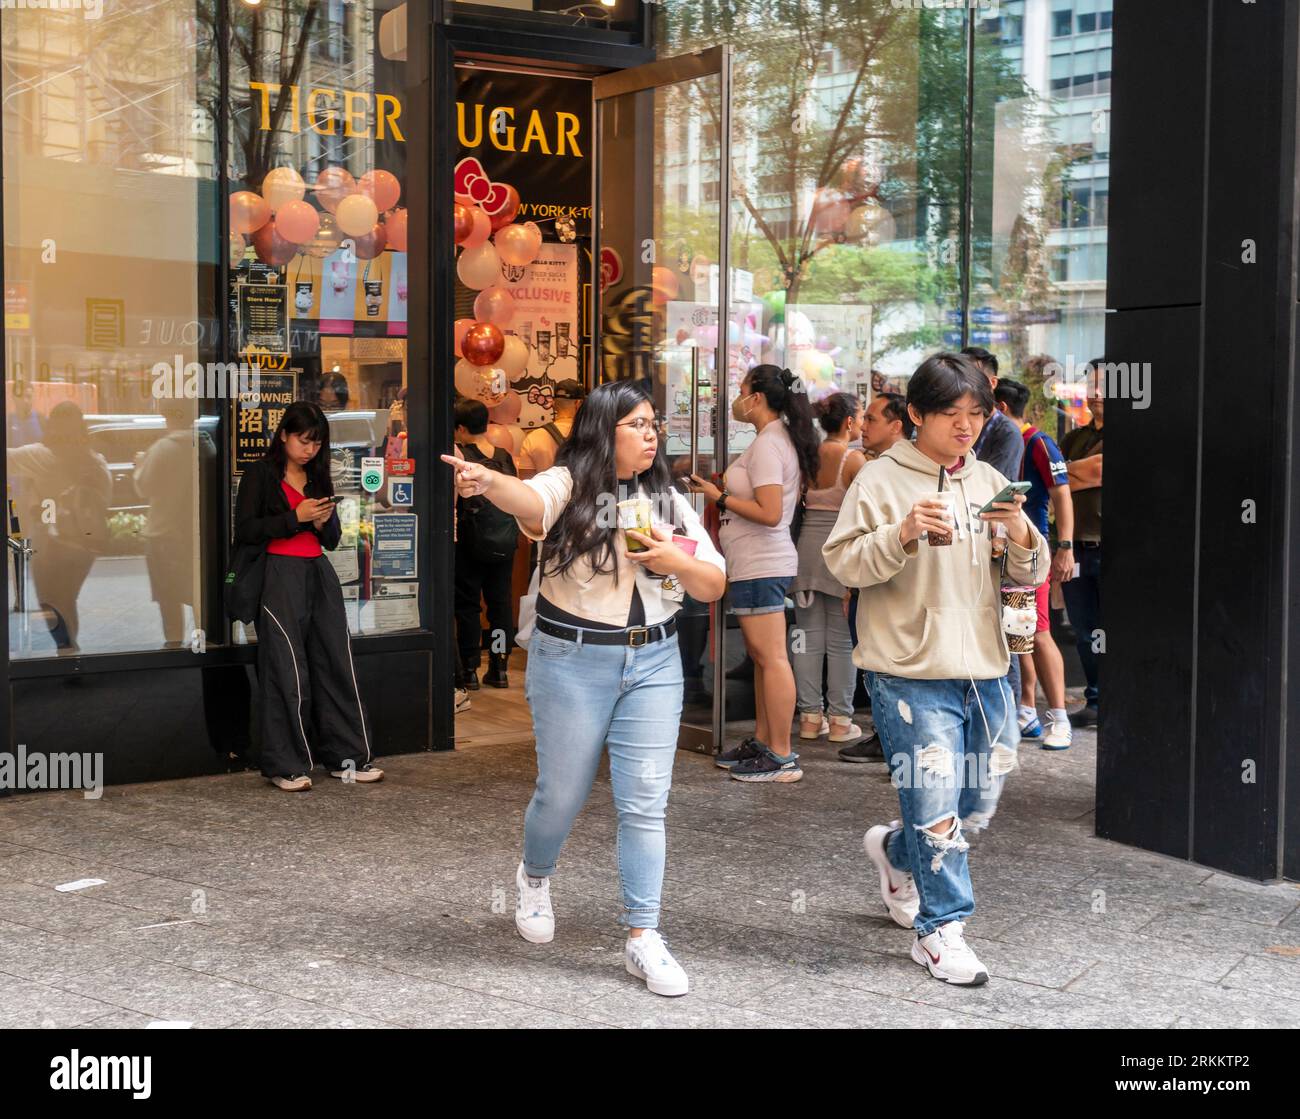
point(927, 613)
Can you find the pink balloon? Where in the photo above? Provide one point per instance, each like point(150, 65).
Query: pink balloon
point(462, 325)
point(534, 232)
point(271, 247)
point(333, 185)
point(494, 304)
point(383, 187)
point(249, 212)
point(499, 436)
point(297, 222)
point(481, 232)
point(508, 410)
point(514, 245)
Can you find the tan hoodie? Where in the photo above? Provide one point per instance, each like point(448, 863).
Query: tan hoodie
point(927, 613)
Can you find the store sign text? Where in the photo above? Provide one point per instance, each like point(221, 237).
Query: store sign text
point(501, 130)
point(320, 107)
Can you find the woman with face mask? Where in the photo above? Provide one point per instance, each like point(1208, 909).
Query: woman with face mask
point(756, 504)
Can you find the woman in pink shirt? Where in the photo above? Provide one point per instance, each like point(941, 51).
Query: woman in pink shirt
point(761, 492)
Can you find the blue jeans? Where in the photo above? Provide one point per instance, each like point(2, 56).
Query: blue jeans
point(584, 698)
point(1083, 604)
point(945, 765)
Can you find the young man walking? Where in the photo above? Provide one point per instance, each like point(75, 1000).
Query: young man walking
point(914, 534)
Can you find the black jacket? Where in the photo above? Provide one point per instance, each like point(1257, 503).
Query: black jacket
point(262, 512)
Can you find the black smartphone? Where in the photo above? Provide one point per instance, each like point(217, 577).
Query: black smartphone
point(1008, 492)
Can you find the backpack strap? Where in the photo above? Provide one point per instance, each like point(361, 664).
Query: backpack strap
point(555, 433)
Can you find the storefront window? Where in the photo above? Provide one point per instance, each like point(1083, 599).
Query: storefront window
point(320, 284)
point(109, 166)
point(1041, 206)
point(847, 184)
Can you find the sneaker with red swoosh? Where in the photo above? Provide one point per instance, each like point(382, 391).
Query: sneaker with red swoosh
point(947, 956)
point(897, 890)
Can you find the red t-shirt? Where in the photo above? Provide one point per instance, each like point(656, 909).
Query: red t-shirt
point(305, 543)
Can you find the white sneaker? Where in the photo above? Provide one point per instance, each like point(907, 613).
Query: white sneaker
point(534, 917)
point(843, 729)
point(897, 890)
point(947, 956)
point(648, 958)
point(813, 726)
point(1059, 733)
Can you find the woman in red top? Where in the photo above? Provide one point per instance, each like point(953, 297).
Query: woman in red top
point(310, 701)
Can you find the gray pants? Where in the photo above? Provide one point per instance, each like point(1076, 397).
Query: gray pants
point(822, 632)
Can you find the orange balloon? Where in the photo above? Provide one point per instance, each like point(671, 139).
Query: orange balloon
point(506, 214)
point(464, 222)
point(481, 231)
point(333, 185)
point(297, 222)
point(248, 211)
point(383, 187)
point(395, 225)
point(462, 325)
point(370, 245)
point(483, 344)
point(271, 247)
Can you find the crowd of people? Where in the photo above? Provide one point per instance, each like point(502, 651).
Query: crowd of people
point(905, 552)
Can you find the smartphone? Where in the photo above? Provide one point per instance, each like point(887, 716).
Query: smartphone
point(1008, 492)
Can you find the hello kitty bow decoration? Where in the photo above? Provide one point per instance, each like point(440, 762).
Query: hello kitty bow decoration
point(542, 395)
point(470, 179)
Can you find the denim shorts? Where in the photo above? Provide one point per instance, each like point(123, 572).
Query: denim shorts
point(758, 596)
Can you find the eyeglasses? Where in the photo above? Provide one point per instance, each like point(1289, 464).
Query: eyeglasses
point(644, 427)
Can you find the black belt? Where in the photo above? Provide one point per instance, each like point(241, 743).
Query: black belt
point(636, 636)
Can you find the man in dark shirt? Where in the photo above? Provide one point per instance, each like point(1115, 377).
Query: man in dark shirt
point(1000, 443)
point(1082, 450)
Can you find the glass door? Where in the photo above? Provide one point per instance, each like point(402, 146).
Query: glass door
point(660, 242)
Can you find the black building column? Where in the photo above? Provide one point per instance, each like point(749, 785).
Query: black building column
point(1200, 608)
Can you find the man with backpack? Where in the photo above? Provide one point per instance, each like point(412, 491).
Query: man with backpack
point(541, 444)
point(486, 539)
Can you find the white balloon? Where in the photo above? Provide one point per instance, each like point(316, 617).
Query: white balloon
point(514, 358)
point(356, 215)
point(479, 268)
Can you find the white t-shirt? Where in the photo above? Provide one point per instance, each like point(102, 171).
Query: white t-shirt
point(757, 551)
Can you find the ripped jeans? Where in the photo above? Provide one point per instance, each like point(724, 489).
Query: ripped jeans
point(945, 765)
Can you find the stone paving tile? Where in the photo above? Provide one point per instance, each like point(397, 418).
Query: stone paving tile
point(1272, 975)
point(1103, 943)
point(1159, 994)
point(25, 1005)
point(1225, 935)
point(810, 1002)
point(46, 957)
point(172, 993)
point(1014, 1003)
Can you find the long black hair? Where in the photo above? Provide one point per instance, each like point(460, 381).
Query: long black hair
point(305, 418)
point(786, 397)
point(588, 453)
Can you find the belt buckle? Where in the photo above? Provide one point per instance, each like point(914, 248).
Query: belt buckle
point(633, 634)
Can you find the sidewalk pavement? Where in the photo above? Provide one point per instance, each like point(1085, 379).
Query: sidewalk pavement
point(226, 903)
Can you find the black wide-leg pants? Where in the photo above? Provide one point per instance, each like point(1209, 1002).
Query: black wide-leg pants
point(311, 705)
